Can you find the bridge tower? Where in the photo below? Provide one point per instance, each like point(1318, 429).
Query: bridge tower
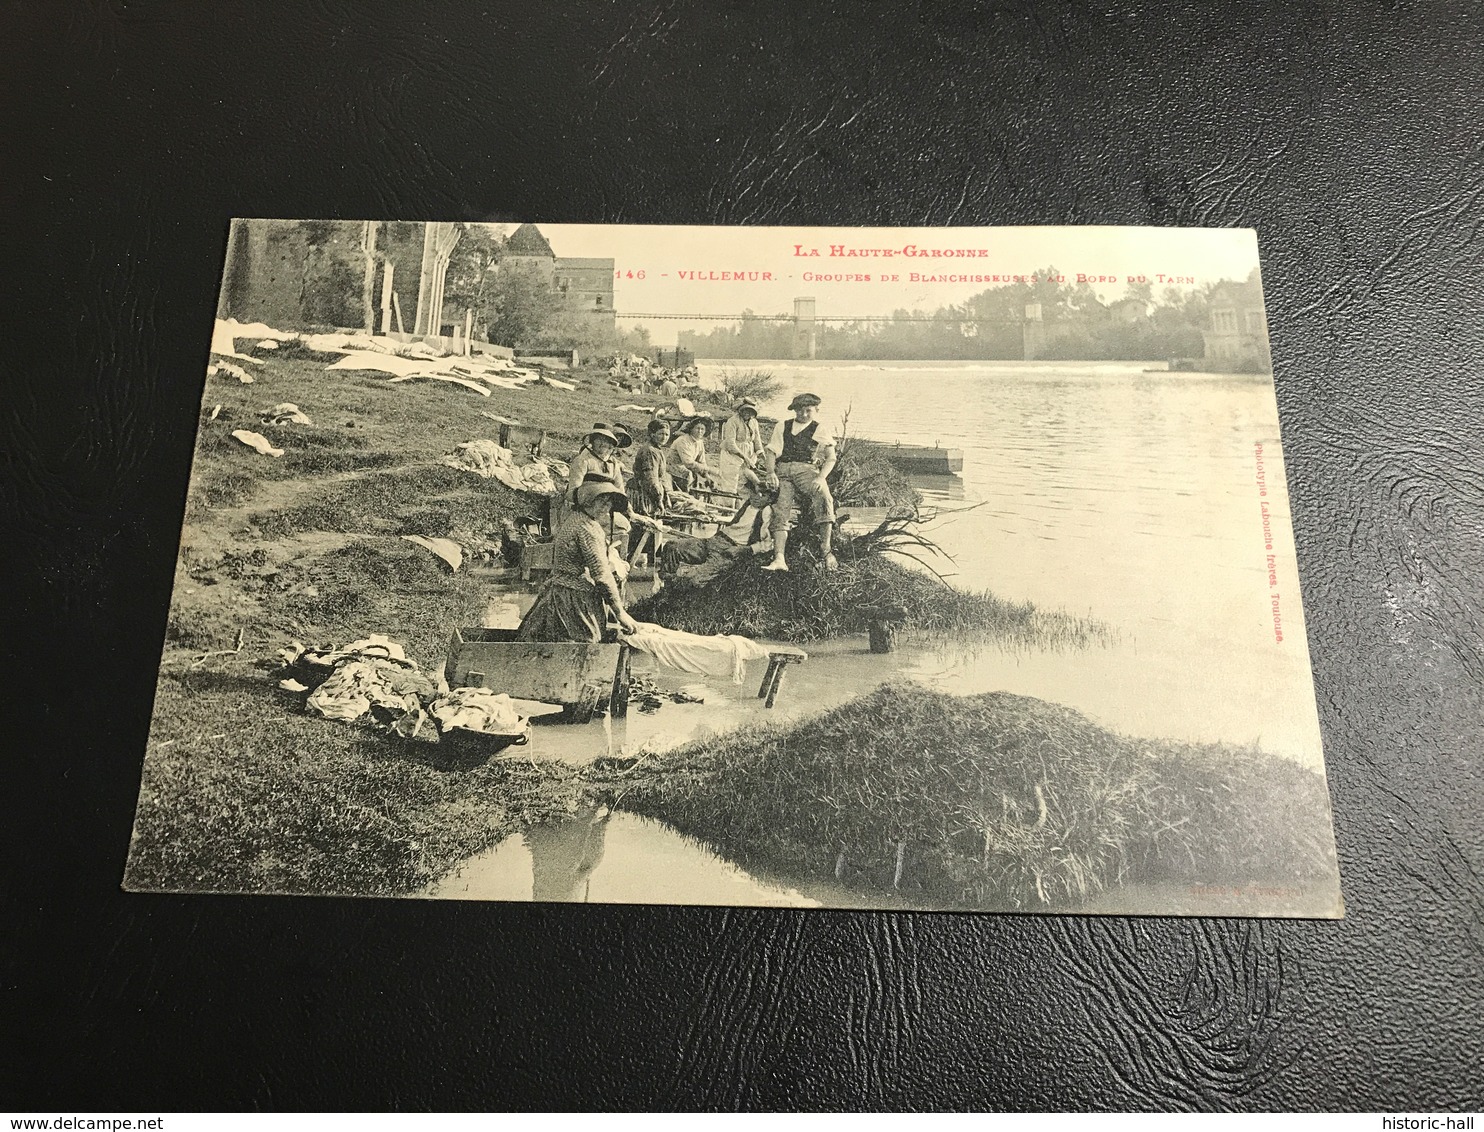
point(1033, 332)
point(804, 337)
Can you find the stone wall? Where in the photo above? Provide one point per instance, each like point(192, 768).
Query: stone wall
point(297, 274)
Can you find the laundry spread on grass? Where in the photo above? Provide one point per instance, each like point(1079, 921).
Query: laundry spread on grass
point(230, 370)
point(483, 457)
point(543, 475)
point(445, 548)
point(378, 353)
point(477, 709)
point(348, 683)
point(257, 441)
point(286, 412)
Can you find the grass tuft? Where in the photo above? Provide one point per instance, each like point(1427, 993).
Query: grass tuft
point(988, 801)
point(242, 793)
point(809, 604)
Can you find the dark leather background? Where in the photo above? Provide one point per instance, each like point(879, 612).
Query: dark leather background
point(1348, 134)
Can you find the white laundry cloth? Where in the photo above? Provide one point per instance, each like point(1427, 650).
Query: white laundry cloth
point(690, 652)
point(483, 457)
point(537, 478)
point(356, 685)
point(224, 342)
point(257, 441)
point(445, 548)
point(478, 709)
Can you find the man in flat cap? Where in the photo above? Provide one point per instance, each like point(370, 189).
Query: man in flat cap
point(801, 462)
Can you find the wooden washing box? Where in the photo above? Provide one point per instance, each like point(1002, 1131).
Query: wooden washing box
point(579, 675)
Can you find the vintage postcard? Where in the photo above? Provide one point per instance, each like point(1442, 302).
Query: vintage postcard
point(944, 569)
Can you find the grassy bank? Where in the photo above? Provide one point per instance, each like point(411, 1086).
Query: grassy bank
point(808, 604)
point(243, 792)
point(993, 801)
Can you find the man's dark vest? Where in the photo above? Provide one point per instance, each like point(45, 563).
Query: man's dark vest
point(798, 448)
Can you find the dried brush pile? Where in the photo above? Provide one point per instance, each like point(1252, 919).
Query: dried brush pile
point(992, 801)
point(808, 604)
point(759, 385)
point(864, 477)
point(811, 604)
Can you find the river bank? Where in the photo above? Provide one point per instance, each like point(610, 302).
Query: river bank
point(241, 791)
point(990, 801)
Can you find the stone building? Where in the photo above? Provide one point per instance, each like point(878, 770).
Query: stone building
point(383, 276)
point(1129, 311)
point(526, 246)
point(1237, 337)
point(584, 284)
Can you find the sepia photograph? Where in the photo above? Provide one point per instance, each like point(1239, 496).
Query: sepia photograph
point(943, 569)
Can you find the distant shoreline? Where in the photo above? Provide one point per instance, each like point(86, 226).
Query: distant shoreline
point(1131, 368)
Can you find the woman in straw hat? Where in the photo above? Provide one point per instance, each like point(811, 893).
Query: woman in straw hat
point(582, 588)
point(598, 459)
point(690, 468)
point(741, 444)
point(597, 456)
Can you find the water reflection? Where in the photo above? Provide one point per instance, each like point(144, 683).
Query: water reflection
point(610, 858)
point(564, 855)
point(620, 858)
point(837, 671)
point(938, 489)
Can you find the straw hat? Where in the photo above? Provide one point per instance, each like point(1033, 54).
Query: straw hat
point(618, 439)
point(699, 418)
point(747, 405)
point(592, 489)
point(803, 401)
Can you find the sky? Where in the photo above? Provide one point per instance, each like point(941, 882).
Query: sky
point(663, 254)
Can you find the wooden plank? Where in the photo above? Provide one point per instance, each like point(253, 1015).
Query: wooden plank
point(777, 684)
point(561, 672)
point(536, 556)
point(535, 709)
point(927, 459)
point(767, 684)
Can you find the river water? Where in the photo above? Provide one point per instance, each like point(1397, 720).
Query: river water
point(1155, 503)
point(1127, 496)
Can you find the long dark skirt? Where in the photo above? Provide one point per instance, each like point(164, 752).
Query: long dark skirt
point(644, 497)
point(564, 614)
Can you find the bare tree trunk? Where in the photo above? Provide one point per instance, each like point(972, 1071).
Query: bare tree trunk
point(368, 282)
